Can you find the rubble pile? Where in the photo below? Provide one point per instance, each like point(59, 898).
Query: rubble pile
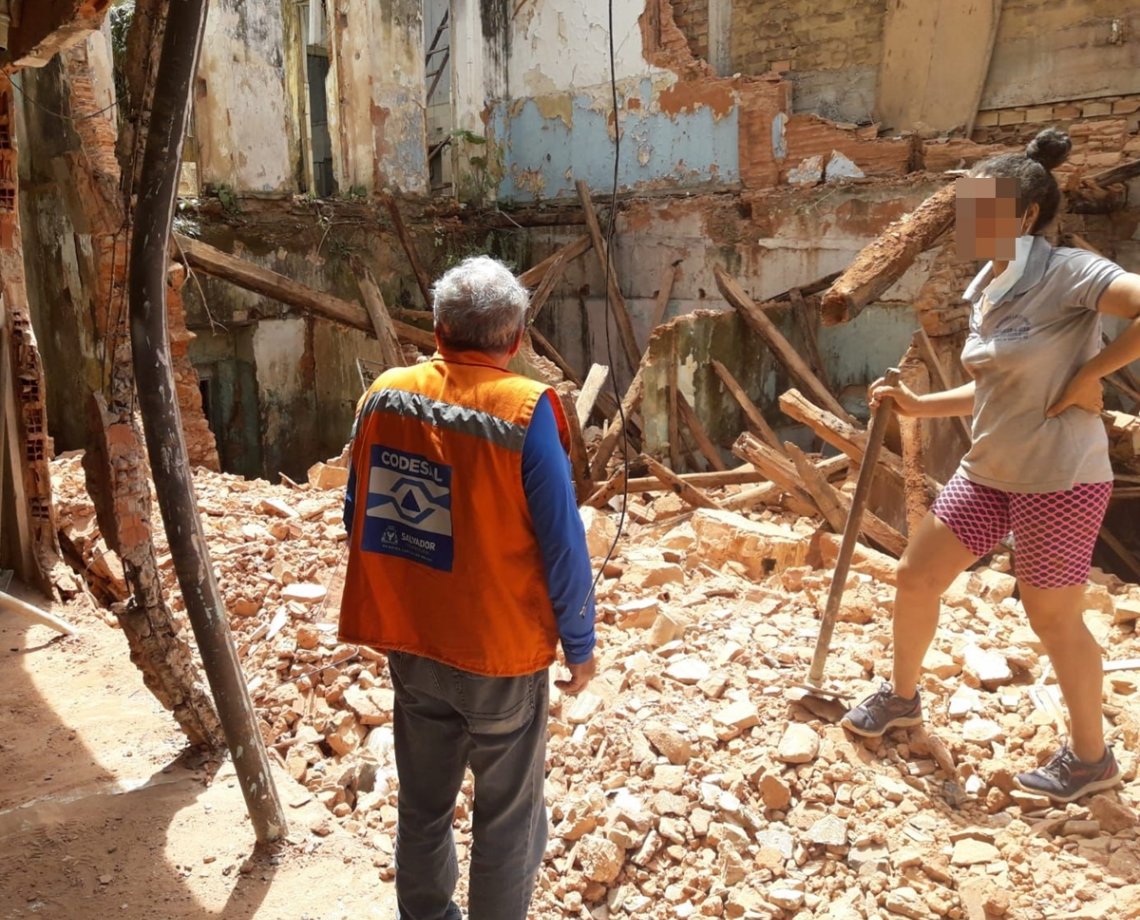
point(692, 779)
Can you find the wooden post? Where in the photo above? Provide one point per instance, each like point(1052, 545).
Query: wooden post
point(751, 411)
point(406, 241)
point(758, 321)
point(704, 443)
point(605, 260)
point(390, 350)
point(590, 390)
point(916, 376)
point(12, 458)
point(689, 494)
point(613, 433)
point(925, 347)
point(884, 260)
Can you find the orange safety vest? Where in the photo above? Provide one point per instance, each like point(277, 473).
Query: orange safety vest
point(443, 559)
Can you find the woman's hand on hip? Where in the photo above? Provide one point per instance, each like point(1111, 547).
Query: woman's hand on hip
point(1083, 392)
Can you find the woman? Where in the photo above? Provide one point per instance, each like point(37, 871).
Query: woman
point(1038, 463)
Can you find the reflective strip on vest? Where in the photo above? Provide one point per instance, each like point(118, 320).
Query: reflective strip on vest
point(448, 416)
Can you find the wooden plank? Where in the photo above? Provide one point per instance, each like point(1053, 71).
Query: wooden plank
point(884, 260)
point(690, 494)
point(1121, 173)
point(605, 260)
point(409, 248)
point(608, 490)
point(773, 464)
point(704, 443)
point(751, 411)
point(664, 292)
point(533, 276)
point(756, 319)
point(546, 287)
point(806, 319)
point(743, 475)
point(934, 64)
point(42, 617)
point(846, 437)
point(579, 461)
point(925, 347)
point(244, 274)
point(590, 390)
point(11, 445)
point(613, 433)
point(390, 351)
point(771, 493)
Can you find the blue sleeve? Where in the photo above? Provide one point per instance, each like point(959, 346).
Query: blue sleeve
point(561, 536)
point(350, 497)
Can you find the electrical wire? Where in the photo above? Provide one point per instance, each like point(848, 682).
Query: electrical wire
point(60, 115)
point(608, 322)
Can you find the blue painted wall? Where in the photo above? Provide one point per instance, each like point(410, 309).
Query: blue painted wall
point(542, 157)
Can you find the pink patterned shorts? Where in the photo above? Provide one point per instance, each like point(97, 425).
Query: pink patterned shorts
point(1054, 533)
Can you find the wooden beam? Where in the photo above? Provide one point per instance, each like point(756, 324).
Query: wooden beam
point(758, 321)
point(1121, 173)
point(42, 617)
point(613, 433)
point(390, 350)
point(608, 490)
point(807, 320)
point(546, 287)
point(817, 486)
point(589, 393)
point(533, 276)
point(704, 443)
point(743, 475)
point(915, 376)
point(844, 436)
point(409, 248)
point(773, 464)
point(205, 258)
point(13, 458)
point(1125, 554)
point(751, 411)
point(672, 392)
point(579, 462)
point(605, 261)
point(925, 348)
point(883, 261)
point(690, 494)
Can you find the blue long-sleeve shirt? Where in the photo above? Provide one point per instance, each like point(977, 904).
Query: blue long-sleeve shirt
point(553, 509)
point(561, 538)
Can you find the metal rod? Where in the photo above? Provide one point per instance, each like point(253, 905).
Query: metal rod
point(150, 350)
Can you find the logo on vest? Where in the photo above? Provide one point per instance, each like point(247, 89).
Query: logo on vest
point(409, 508)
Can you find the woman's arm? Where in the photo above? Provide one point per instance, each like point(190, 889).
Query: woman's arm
point(958, 401)
point(1120, 298)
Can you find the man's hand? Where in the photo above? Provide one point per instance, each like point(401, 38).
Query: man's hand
point(1083, 392)
point(580, 675)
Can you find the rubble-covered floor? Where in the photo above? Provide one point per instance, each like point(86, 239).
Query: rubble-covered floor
point(687, 782)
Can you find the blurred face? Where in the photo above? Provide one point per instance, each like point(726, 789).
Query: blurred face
point(987, 223)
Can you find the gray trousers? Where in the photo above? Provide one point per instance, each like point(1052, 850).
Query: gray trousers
point(445, 719)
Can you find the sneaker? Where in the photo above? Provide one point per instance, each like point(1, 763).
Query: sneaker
point(1066, 779)
point(882, 711)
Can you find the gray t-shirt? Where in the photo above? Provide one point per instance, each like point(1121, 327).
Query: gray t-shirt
point(1022, 351)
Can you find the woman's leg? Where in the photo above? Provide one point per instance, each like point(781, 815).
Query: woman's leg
point(1056, 616)
point(934, 557)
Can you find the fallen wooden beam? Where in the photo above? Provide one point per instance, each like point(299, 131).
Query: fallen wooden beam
point(390, 350)
point(672, 407)
point(688, 493)
point(770, 493)
point(546, 287)
point(533, 276)
point(773, 464)
point(606, 403)
point(589, 392)
point(704, 443)
point(883, 261)
point(844, 436)
point(579, 461)
point(806, 319)
point(836, 505)
point(751, 411)
point(606, 264)
point(1121, 173)
point(756, 319)
point(205, 258)
point(613, 432)
point(406, 241)
point(609, 490)
point(744, 475)
point(664, 292)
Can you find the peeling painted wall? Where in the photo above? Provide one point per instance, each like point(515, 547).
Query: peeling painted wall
point(243, 118)
point(377, 117)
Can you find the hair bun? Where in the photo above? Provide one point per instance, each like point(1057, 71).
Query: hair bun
point(1050, 148)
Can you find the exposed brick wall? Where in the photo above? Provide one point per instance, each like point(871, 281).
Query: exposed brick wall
point(812, 35)
point(692, 18)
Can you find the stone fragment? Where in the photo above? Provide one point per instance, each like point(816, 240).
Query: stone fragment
point(583, 707)
point(1077, 828)
point(244, 607)
point(650, 573)
point(600, 531)
point(276, 508)
point(785, 897)
point(906, 902)
point(964, 700)
point(760, 547)
point(669, 742)
point(373, 706)
point(308, 636)
point(982, 731)
point(325, 476)
point(799, 744)
point(874, 855)
point(669, 778)
point(779, 840)
point(941, 665)
point(740, 715)
point(828, 831)
point(666, 628)
point(345, 735)
point(1112, 815)
point(775, 792)
point(687, 670)
point(989, 667)
point(304, 592)
point(971, 852)
point(600, 859)
point(639, 614)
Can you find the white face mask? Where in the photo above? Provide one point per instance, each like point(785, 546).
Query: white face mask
point(1001, 285)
